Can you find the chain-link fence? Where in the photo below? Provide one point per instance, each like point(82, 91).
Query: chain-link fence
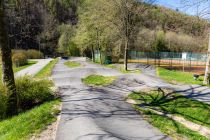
point(194, 62)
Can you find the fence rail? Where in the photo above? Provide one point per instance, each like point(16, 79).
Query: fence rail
point(194, 62)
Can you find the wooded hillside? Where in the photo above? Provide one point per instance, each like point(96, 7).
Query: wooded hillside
point(61, 25)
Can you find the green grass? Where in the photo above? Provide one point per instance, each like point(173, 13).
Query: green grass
point(47, 70)
point(179, 105)
point(30, 63)
point(122, 70)
point(16, 69)
point(170, 127)
point(23, 126)
point(110, 66)
point(173, 76)
point(72, 64)
point(98, 80)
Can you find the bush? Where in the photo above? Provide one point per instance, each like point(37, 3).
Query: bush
point(34, 54)
point(31, 92)
point(19, 58)
point(3, 105)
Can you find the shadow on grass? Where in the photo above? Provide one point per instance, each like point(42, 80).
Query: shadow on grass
point(173, 103)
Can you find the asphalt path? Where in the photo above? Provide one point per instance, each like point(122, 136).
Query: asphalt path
point(34, 69)
point(101, 113)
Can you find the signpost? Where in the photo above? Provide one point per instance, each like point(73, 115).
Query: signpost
point(184, 57)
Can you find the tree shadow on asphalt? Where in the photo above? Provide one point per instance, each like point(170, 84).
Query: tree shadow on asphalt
point(104, 96)
point(177, 104)
point(120, 137)
point(93, 101)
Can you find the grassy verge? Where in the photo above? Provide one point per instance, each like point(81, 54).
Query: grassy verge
point(173, 76)
point(16, 69)
point(21, 127)
point(122, 70)
point(30, 63)
point(170, 127)
point(72, 64)
point(179, 105)
point(98, 80)
point(47, 70)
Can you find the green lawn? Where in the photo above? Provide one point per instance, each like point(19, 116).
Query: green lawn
point(16, 69)
point(47, 70)
point(98, 80)
point(172, 128)
point(173, 76)
point(30, 63)
point(23, 126)
point(129, 71)
point(179, 105)
point(111, 66)
point(72, 64)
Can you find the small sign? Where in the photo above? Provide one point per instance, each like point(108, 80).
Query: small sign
point(184, 56)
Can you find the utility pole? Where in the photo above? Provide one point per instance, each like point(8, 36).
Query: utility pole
point(207, 72)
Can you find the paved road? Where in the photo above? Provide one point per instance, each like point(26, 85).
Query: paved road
point(100, 113)
point(34, 69)
point(149, 78)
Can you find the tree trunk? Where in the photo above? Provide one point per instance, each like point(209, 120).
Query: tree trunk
point(100, 56)
point(207, 72)
point(7, 71)
point(126, 55)
point(93, 54)
point(127, 34)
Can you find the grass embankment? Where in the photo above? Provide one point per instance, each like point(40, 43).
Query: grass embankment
point(173, 76)
point(47, 70)
point(30, 63)
point(38, 104)
point(122, 70)
point(22, 127)
point(175, 104)
point(72, 64)
point(16, 69)
point(98, 80)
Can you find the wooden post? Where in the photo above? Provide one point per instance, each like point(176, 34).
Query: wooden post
point(207, 72)
point(93, 53)
point(183, 64)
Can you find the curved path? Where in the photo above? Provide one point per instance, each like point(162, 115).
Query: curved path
point(34, 69)
point(100, 113)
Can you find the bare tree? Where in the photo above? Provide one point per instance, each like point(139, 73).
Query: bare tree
point(203, 10)
point(8, 75)
point(200, 7)
point(128, 11)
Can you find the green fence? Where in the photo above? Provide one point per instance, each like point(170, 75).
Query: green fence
point(168, 55)
point(174, 60)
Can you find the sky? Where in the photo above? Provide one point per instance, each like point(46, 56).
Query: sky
point(178, 4)
point(169, 3)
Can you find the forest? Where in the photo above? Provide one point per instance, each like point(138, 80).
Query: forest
point(75, 27)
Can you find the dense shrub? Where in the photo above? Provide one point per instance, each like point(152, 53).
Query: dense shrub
point(34, 54)
point(159, 43)
point(19, 58)
point(3, 105)
point(30, 93)
point(149, 40)
point(33, 92)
